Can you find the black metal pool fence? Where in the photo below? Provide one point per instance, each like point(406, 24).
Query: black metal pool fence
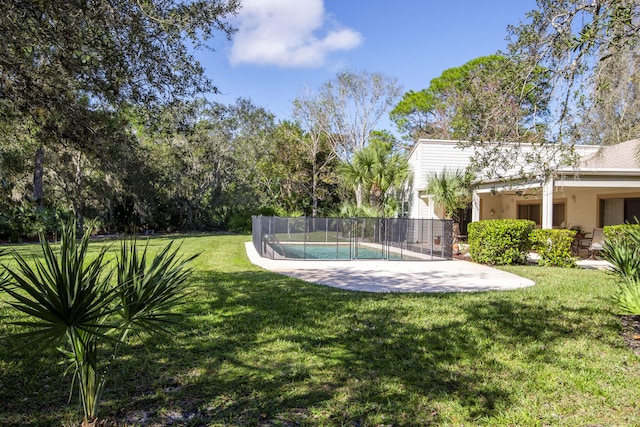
point(352, 238)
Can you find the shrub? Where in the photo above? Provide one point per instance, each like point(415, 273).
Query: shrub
point(624, 255)
point(627, 298)
point(21, 222)
point(240, 222)
point(622, 231)
point(554, 247)
point(622, 250)
point(74, 306)
point(500, 241)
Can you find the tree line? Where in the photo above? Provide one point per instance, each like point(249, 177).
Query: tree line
point(103, 118)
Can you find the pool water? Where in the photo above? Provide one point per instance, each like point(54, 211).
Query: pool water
point(333, 252)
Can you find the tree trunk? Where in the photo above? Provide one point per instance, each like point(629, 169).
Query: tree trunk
point(78, 205)
point(79, 213)
point(375, 198)
point(314, 193)
point(359, 191)
point(38, 180)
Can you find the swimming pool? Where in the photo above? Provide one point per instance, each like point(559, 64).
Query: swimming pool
point(336, 252)
point(315, 238)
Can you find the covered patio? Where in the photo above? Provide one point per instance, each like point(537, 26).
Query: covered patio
point(604, 189)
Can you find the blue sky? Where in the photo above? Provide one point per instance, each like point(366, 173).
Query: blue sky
point(283, 46)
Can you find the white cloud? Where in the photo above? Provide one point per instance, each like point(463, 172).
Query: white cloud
point(288, 33)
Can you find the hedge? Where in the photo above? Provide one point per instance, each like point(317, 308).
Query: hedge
point(613, 233)
point(500, 241)
point(553, 246)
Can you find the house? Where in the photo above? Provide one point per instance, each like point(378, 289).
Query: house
point(602, 189)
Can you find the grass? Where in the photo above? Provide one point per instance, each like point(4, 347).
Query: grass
point(257, 348)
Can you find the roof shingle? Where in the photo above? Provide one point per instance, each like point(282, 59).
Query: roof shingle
point(625, 155)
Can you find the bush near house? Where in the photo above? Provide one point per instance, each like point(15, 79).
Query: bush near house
point(500, 241)
point(622, 231)
point(553, 246)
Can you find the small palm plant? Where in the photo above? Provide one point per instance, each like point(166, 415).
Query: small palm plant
point(73, 304)
point(623, 253)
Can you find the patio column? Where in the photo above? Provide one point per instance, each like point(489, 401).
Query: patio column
point(547, 203)
point(475, 207)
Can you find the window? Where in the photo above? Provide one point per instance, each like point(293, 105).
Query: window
point(533, 212)
point(619, 211)
point(558, 215)
point(631, 210)
point(530, 212)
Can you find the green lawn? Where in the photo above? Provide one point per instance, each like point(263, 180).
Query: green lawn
point(257, 348)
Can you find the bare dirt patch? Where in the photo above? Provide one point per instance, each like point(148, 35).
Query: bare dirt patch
point(631, 332)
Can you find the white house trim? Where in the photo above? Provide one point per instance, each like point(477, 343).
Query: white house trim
point(547, 203)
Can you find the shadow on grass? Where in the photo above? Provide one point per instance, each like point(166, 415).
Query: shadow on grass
point(33, 390)
point(257, 348)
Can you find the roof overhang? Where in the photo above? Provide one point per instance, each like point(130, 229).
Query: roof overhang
point(580, 178)
point(600, 171)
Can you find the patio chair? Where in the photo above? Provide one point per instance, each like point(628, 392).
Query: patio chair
point(456, 233)
point(597, 242)
point(580, 244)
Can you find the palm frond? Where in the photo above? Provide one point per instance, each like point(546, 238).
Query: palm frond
point(69, 301)
point(149, 291)
point(61, 291)
point(627, 298)
point(449, 189)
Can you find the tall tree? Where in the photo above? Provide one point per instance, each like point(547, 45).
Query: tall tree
point(612, 114)
point(54, 54)
point(587, 49)
point(89, 170)
point(350, 106)
point(347, 108)
point(421, 115)
point(482, 99)
point(283, 172)
point(300, 171)
point(312, 115)
point(591, 48)
point(491, 105)
point(207, 162)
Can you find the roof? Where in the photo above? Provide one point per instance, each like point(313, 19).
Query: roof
point(621, 159)
point(625, 155)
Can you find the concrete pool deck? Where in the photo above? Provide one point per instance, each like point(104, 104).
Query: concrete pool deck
point(395, 276)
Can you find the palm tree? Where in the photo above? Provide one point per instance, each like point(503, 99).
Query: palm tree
point(451, 190)
point(358, 172)
point(377, 170)
point(73, 306)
